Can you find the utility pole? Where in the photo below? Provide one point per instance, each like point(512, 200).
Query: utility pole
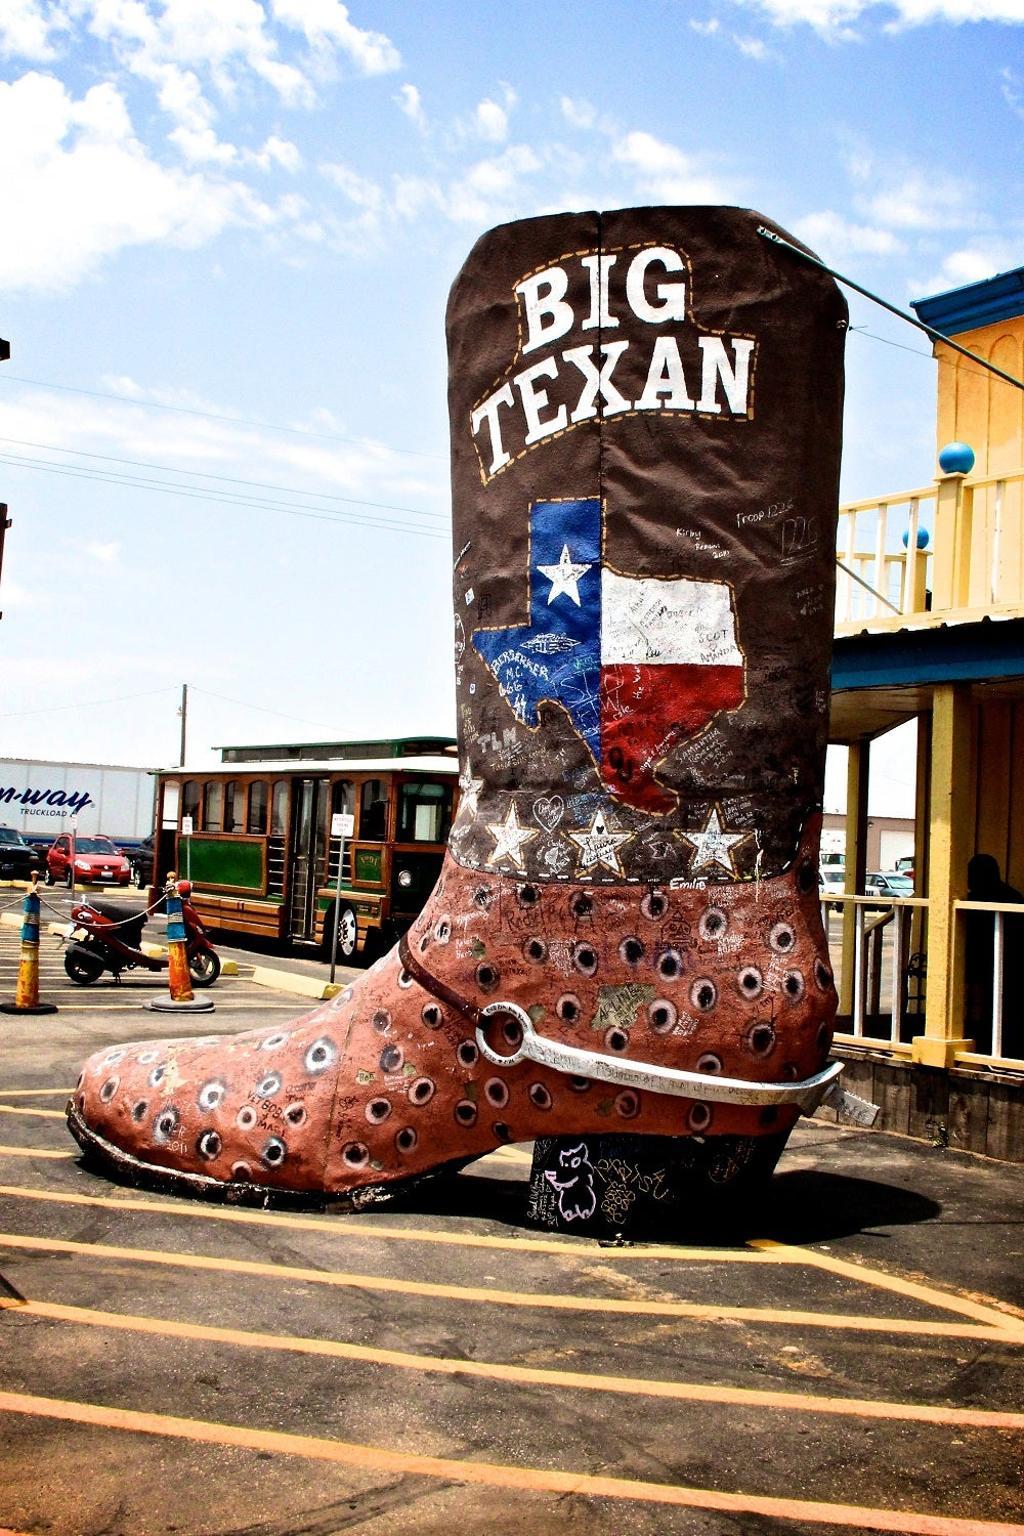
point(183, 712)
point(5, 522)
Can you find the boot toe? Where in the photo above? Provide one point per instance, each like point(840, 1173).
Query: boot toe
point(247, 1109)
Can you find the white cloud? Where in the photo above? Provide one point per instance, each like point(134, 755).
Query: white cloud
point(705, 28)
point(358, 189)
point(663, 170)
point(79, 186)
point(1012, 91)
point(909, 197)
point(412, 194)
point(835, 19)
point(16, 597)
point(971, 264)
point(491, 121)
point(200, 444)
point(831, 235)
point(104, 554)
point(490, 189)
point(411, 103)
point(275, 151)
point(752, 47)
point(577, 112)
point(221, 39)
point(326, 22)
point(27, 28)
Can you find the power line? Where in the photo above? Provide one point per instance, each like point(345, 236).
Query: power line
point(136, 482)
point(238, 421)
point(243, 704)
point(52, 709)
point(943, 362)
point(203, 474)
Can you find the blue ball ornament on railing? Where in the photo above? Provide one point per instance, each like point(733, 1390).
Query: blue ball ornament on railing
point(922, 538)
point(956, 459)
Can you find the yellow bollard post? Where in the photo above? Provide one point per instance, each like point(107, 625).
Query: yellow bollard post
point(26, 996)
point(181, 999)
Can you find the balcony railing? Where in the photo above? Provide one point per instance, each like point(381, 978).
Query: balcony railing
point(989, 936)
point(879, 977)
point(878, 947)
point(972, 560)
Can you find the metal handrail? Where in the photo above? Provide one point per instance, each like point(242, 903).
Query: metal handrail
point(999, 910)
point(888, 909)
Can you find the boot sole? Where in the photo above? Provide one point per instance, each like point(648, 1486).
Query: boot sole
point(102, 1156)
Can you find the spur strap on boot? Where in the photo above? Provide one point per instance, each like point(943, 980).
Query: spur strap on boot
point(650, 1077)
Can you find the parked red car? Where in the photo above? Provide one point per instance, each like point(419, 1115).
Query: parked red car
point(96, 861)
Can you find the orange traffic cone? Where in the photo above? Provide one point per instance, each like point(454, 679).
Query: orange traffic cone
point(26, 996)
point(181, 999)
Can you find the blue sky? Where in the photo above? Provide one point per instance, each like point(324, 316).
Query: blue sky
point(229, 232)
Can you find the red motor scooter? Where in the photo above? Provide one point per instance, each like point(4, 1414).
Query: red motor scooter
point(108, 937)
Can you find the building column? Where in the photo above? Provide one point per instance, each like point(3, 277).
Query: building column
point(922, 827)
point(857, 774)
point(950, 844)
point(954, 529)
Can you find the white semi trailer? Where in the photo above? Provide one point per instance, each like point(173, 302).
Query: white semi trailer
point(43, 799)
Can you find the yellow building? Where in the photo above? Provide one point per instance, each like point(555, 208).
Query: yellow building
point(932, 987)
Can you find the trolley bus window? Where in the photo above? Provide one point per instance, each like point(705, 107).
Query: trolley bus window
point(373, 812)
point(343, 797)
point(232, 807)
point(424, 813)
point(257, 807)
point(213, 807)
point(190, 801)
point(279, 810)
point(169, 818)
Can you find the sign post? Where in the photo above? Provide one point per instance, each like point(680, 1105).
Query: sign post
point(342, 826)
point(186, 835)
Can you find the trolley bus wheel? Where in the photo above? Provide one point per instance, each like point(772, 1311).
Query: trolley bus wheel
point(345, 950)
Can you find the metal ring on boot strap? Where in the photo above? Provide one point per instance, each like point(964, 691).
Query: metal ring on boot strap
point(575, 1062)
point(650, 1077)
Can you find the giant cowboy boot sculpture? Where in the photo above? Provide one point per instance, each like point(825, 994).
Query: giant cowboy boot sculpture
point(645, 414)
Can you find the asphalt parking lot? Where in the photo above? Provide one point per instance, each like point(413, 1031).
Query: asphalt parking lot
point(854, 1360)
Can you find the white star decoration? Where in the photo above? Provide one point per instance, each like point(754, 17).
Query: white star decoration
point(714, 845)
point(509, 838)
point(564, 577)
point(598, 845)
point(470, 788)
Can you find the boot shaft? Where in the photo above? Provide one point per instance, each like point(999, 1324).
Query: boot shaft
point(646, 423)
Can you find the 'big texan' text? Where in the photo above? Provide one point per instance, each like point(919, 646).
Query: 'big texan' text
point(664, 364)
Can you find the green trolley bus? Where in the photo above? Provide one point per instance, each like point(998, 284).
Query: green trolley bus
point(255, 839)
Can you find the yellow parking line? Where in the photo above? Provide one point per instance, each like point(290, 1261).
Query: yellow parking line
point(496, 1474)
point(35, 1093)
point(33, 1152)
point(360, 1227)
point(704, 1311)
point(761, 1251)
point(682, 1391)
point(234, 1007)
point(47, 1114)
point(913, 1289)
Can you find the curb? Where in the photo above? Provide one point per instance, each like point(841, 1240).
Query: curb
point(289, 981)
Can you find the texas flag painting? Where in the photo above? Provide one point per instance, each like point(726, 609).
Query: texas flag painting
point(638, 663)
